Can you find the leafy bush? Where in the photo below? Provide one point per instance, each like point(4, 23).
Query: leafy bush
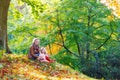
point(66, 59)
point(109, 67)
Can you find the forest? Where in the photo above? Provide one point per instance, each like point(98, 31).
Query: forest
point(83, 36)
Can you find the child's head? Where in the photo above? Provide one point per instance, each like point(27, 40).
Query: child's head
point(43, 50)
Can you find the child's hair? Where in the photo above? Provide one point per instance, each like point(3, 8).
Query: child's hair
point(42, 48)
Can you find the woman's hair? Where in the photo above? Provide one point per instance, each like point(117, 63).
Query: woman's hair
point(34, 40)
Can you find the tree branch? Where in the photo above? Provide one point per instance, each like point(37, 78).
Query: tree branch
point(77, 43)
point(99, 26)
point(33, 35)
point(59, 44)
point(105, 40)
point(61, 35)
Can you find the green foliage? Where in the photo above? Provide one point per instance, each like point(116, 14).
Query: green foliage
point(66, 59)
point(37, 7)
point(23, 26)
point(80, 27)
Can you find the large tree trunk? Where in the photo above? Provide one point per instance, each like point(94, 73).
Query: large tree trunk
point(4, 5)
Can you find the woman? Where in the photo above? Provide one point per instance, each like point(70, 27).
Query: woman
point(34, 49)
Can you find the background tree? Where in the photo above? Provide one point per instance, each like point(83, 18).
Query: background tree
point(4, 5)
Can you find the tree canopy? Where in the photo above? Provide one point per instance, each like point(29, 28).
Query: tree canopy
point(83, 34)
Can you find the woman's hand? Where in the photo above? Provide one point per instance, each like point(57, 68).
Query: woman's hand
point(38, 58)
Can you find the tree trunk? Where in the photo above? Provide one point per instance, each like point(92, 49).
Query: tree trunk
point(4, 5)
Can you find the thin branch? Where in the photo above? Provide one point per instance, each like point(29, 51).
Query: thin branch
point(59, 44)
point(105, 40)
point(78, 44)
point(99, 26)
point(93, 15)
point(92, 23)
point(66, 49)
point(33, 35)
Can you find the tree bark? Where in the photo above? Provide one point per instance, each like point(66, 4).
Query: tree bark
point(4, 5)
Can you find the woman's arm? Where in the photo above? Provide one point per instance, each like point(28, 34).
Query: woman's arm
point(32, 52)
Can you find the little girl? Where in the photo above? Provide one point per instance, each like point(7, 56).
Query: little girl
point(43, 57)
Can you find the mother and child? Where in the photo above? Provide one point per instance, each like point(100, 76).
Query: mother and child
point(38, 53)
